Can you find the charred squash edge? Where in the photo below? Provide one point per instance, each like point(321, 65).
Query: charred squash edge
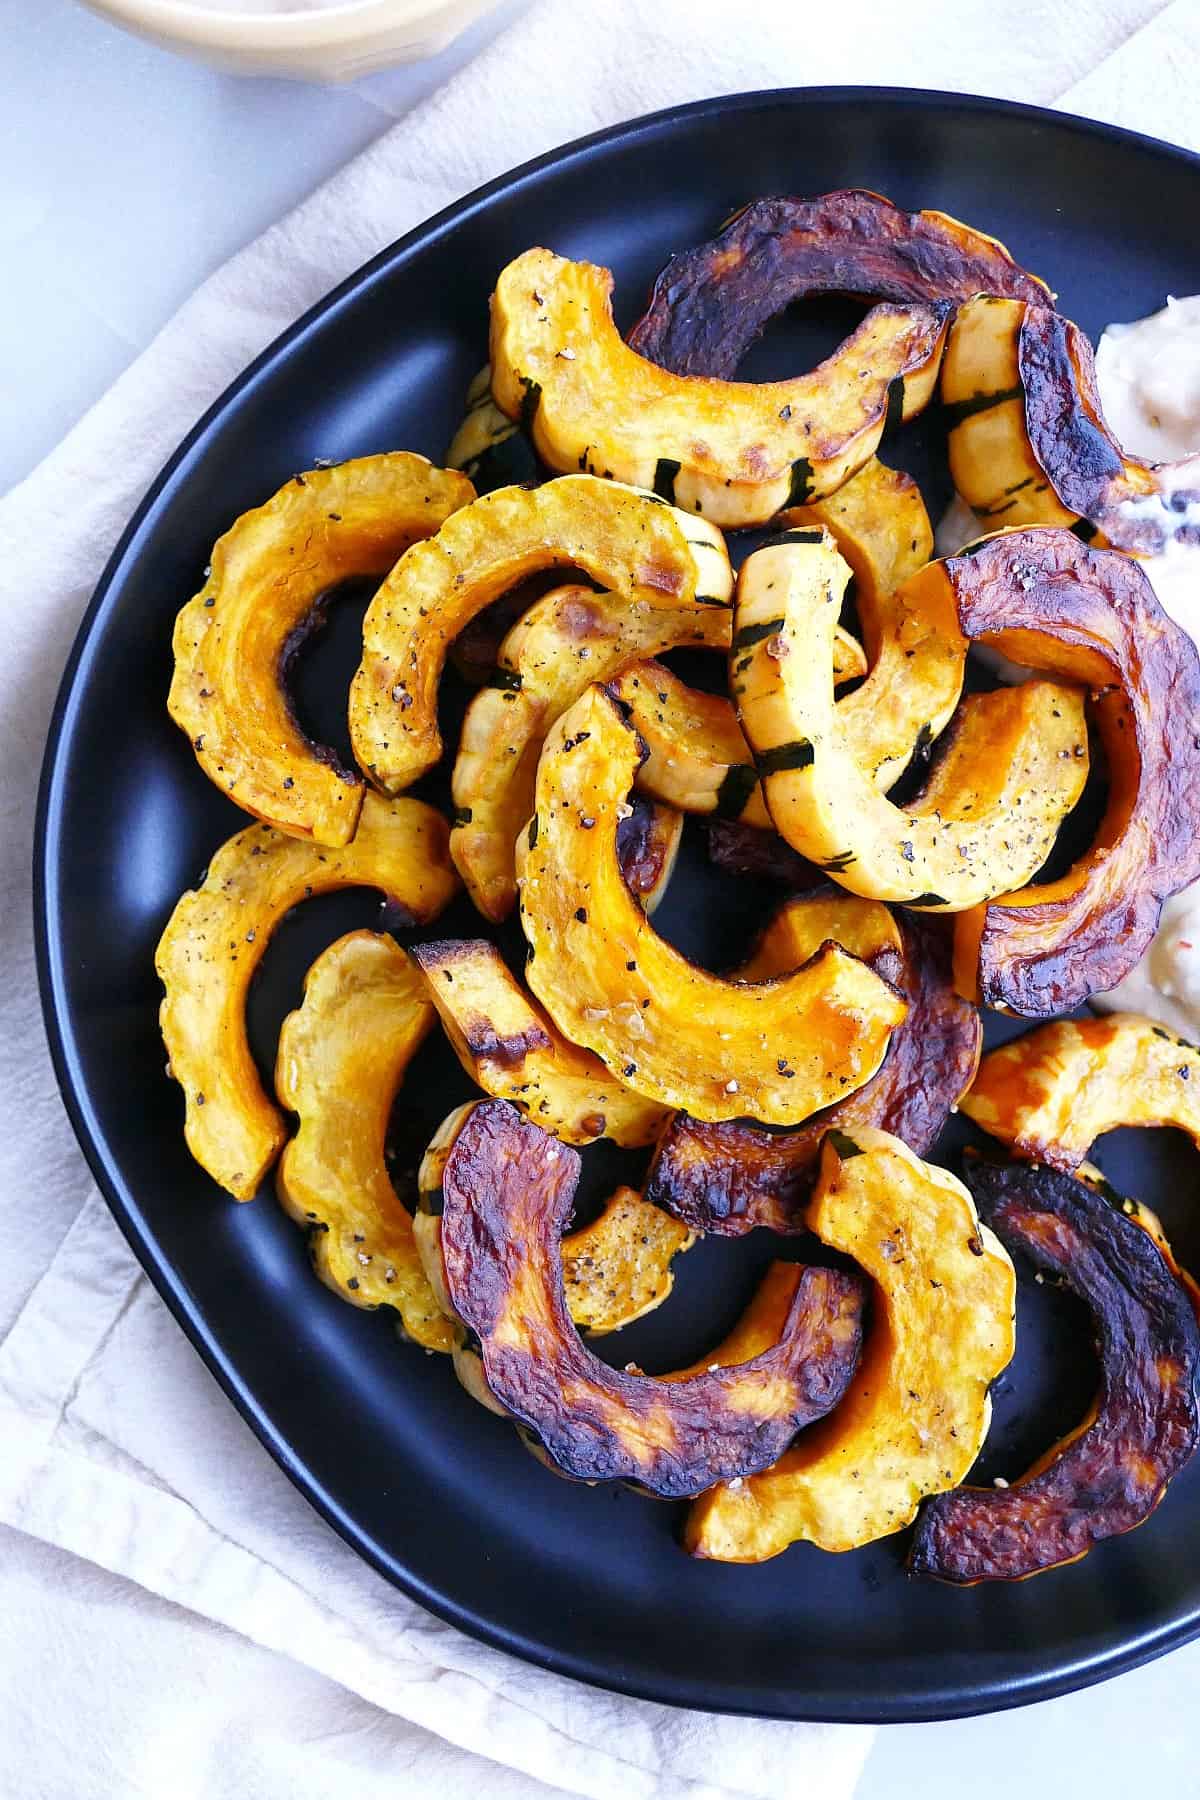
point(1109, 1474)
point(710, 303)
point(507, 1188)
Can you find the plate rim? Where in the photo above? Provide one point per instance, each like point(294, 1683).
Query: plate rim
point(965, 1699)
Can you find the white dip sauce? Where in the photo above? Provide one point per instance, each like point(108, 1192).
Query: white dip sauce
point(1149, 379)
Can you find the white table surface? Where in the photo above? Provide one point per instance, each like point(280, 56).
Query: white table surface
point(101, 135)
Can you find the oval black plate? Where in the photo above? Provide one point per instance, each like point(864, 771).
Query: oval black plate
point(434, 1492)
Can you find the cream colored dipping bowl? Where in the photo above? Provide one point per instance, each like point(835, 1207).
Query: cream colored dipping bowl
point(332, 43)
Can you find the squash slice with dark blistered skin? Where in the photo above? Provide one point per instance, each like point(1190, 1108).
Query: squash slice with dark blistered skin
point(217, 937)
point(648, 840)
point(709, 304)
point(1012, 766)
point(263, 593)
point(916, 1413)
point(507, 1189)
point(513, 1051)
point(1044, 599)
point(342, 1057)
point(729, 1178)
point(566, 640)
point(615, 1270)
point(1050, 1094)
point(735, 452)
point(1108, 1475)
point(1029, 444)
point(629, 542)
point(666, 1028)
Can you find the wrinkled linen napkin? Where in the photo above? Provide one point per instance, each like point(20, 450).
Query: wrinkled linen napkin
point(233, 1645)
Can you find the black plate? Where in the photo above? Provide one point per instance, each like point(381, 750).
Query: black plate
point(435, 1493)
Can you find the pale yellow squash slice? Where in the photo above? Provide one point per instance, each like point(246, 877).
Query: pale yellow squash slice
point(342, 1057)
point(217, 937)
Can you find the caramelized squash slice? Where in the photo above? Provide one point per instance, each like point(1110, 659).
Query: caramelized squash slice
point(514, 1051)
point(615, 1270)
point(1050, 1094)
point(217, 936)
point(1110, 1473)
point(709, 304)
point(668, 1029)
point(566, 640)
point(916, 1414)
point(729, 1178)
point(1029, 444)
point(1013, 767)
point(627, 541)
point(342, 1057)
point(261, 596)
point(507, 1189)
point(1045, 600)
point(734, 452)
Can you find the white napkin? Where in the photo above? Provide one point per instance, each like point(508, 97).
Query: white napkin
point(114, 1444)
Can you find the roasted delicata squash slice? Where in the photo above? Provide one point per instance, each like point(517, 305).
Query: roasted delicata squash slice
point(262, 594)
point(342, 1057)
point(507, 1188)
point(1091, 616)
point(1012, 768)
point(709, 304)
point(1050, 1094)
point(698, 758)
point(217, 937)
point(488, 446)
point(775, 1050)
point(629, 542)
point(917, 654)
point(1111, 1472)
point(566, 640)
point(729, 1178)
point(917, 1411)
point(512, 1050)
point(1029, 444)
point(735, 452)
point(615, 1270)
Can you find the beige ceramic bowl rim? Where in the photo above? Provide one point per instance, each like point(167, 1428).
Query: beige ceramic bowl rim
point(333, 25)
